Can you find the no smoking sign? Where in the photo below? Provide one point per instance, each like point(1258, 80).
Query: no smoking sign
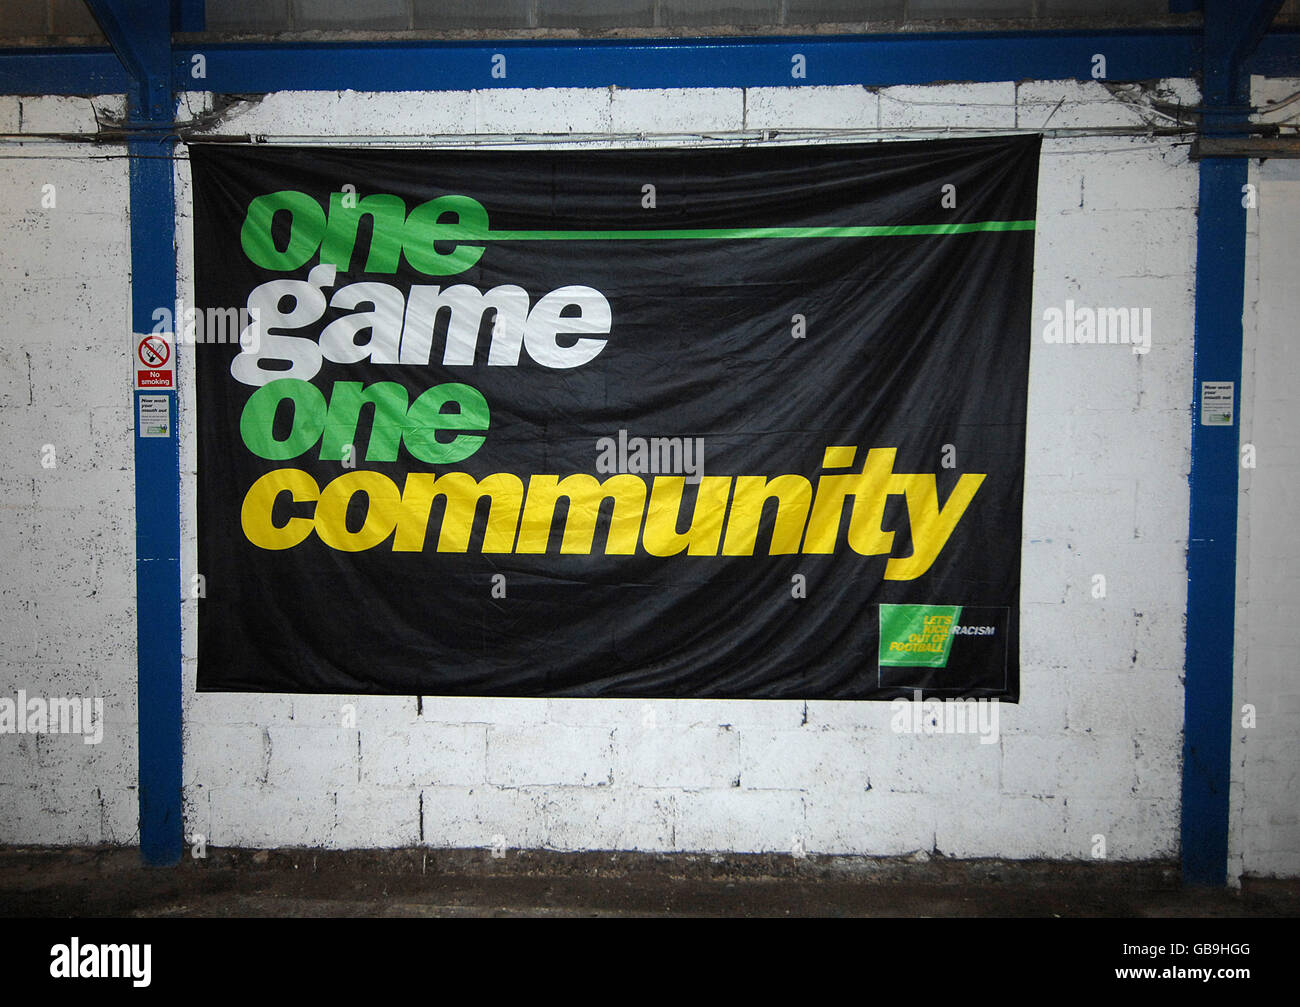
point(154, 364)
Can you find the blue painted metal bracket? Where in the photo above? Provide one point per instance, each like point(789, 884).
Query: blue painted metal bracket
point(1278, 54)
point(143, 43)
point(1242, 26)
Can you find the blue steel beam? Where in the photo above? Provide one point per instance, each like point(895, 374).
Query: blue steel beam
point(874, 60)
point(713, 62)
point(63, 70)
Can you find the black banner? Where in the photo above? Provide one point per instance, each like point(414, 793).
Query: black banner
point(689, 423)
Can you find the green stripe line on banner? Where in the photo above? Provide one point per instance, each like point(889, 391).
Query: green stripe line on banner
point(736, 233)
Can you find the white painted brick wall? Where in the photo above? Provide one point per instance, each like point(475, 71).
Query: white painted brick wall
point(749, 776)
point(963, 106)
point(1094, 748)
point(67, 537)
point(832, 776)
point(1265, 793)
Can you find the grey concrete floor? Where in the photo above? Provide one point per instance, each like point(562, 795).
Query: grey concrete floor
point(103, 882)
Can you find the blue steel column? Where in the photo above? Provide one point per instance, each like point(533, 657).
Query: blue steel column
point(1212, 535)
point(1231, 32)
point(140, 35)
point(157, 512)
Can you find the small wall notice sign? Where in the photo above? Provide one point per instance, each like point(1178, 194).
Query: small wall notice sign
point(155, 361)
point(1216, 403)
point(154, 418)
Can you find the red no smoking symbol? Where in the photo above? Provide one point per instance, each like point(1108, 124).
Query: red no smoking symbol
point(153, 351)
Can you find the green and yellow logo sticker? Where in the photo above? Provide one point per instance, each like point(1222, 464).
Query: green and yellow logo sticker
point(917, 636)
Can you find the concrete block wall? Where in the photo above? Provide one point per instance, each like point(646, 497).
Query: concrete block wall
point(1093, 749)
point(1265, 838)
point(67, 536)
